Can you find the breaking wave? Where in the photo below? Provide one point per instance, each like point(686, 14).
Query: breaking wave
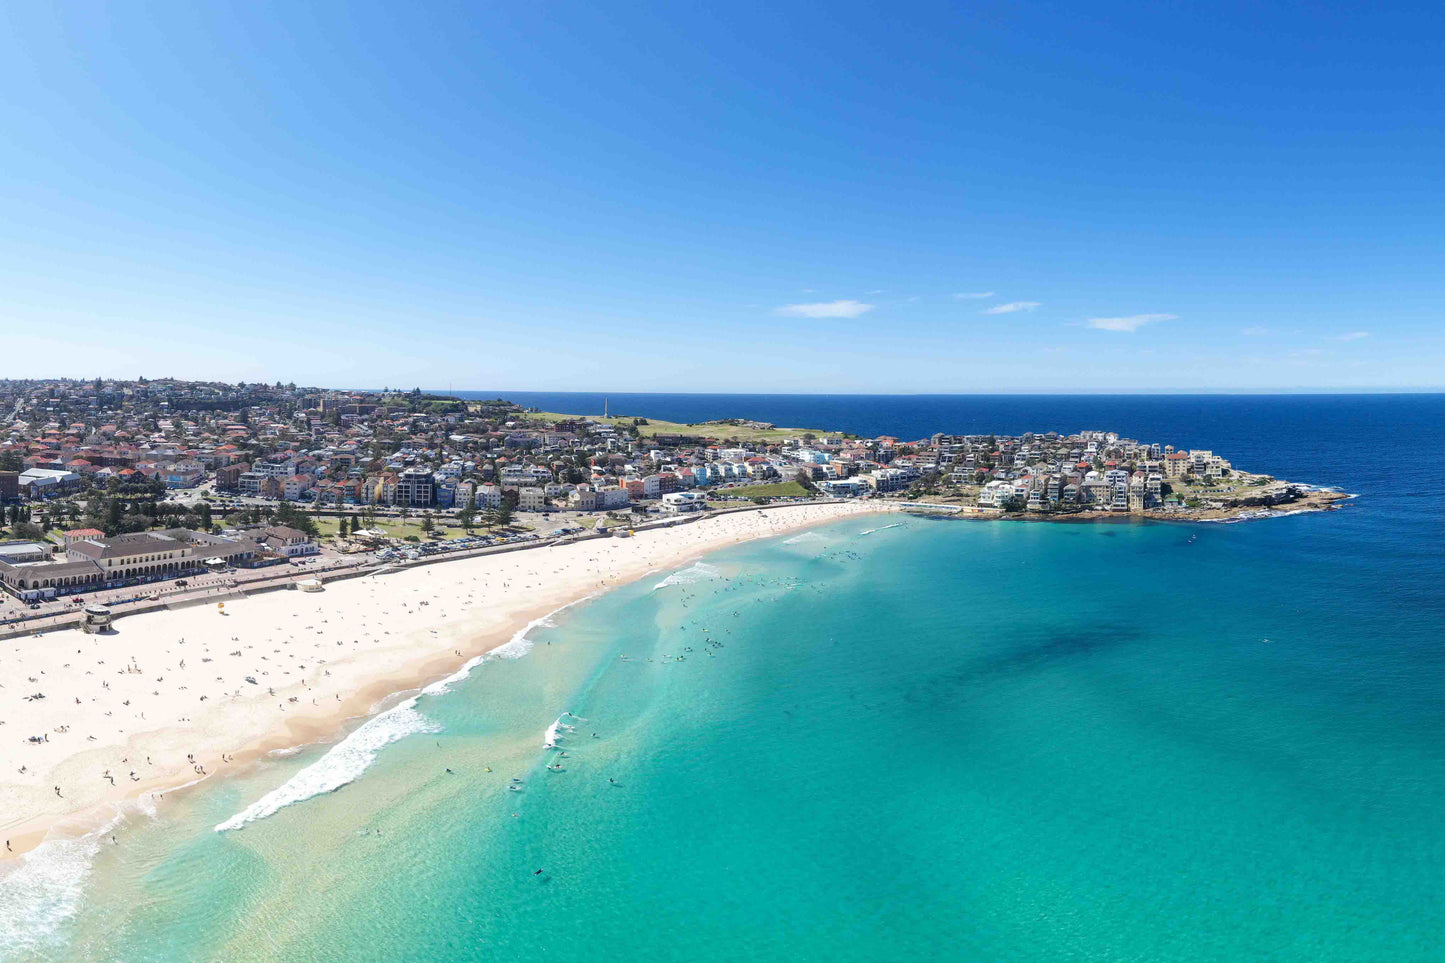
point(44, 890)
point(558, 730)
point(696, 572)
point(352, 756)
point(345, 761)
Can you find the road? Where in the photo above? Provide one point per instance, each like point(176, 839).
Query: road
point(62, 612)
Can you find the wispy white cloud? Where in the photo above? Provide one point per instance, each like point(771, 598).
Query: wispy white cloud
point(1254, 332)
point(1012, 306)
point(1351, 336)
point(974, 295)
point(1131, 323)
point(824, 309)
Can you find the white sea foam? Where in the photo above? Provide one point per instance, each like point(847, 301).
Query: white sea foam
point(44, 890)
point(353, 755)
point(342, 764)
point(696, 572)
point(803, 537)
point(514, 648)
point(870, 531)
point(146, 805)
point(1255, 516)
point(558, 729)
point(549, 738)
point(444, 685)
point(519, 645)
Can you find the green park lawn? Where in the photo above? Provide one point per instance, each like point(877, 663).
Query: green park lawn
point(787, 489)
point(656, 427)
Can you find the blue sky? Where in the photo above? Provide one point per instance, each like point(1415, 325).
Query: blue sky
point(725, 197)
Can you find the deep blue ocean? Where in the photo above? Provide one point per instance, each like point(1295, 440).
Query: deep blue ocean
point(1378, 445)
point(1337, 435)
point(891, 738)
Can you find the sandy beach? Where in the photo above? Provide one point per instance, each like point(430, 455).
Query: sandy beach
point(170, 698)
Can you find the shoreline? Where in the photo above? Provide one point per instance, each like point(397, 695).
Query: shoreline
point(242, 728)
point(1313, 501)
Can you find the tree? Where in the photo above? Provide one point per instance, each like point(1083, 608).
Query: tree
point(342, 529)
point(132, 522)
point(468, 514)
point(289, 515)
point(26, 530)
point(502, 515)
point(427, 525)
point(204, 514)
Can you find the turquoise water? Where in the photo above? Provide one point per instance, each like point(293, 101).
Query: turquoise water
point(938, 740)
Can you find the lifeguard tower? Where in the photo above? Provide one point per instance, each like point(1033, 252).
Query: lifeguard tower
point(97, 619)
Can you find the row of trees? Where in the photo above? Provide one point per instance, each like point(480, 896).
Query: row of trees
point(110, 514)
point(283, 513)
point(491, 517)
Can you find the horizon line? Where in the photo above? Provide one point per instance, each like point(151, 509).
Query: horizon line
point(1199, 393)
